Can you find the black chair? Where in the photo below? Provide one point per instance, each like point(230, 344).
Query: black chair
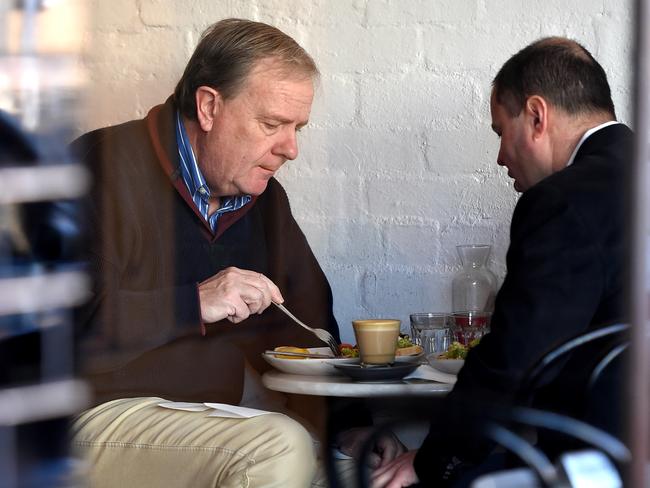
point(594, 399)
point(616, 338)
point(505, 432)
point(596, 362)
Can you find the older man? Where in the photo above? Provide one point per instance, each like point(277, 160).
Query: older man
point(194, 235)
point(552, 109)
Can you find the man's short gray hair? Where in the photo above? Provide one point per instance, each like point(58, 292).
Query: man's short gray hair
point(229, 50)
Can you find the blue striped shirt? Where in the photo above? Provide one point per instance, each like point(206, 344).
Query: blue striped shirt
point(196, 184)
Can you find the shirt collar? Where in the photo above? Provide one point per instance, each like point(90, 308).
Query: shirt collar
point(190, 171)
point(195, 182)
point(585, 136)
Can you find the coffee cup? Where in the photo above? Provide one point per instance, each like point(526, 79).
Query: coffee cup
point(377, 340)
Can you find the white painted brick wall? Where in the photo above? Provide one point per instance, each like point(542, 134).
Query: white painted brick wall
point(397, 166)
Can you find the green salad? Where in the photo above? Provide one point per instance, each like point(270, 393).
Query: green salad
point(404, 341)
point(457, 350)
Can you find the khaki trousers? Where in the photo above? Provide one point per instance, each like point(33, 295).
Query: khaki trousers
point(134, 443)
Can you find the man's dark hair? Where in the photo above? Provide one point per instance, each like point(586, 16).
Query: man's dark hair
point(559, 70)
point(226, 54)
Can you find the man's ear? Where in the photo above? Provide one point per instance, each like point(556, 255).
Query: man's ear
point(536, 110)
point(208, 104)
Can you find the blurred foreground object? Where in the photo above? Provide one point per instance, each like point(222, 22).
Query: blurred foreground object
point(41, 243)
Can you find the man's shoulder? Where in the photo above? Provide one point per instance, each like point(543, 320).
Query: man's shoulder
point(120, 156)
point(605, 154)
point(599, 169)
point(129, 132)
point(590, 192)
point(114, 133)
point(594, 175)
point(590, 185)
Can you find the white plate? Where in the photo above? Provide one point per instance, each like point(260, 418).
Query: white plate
point(450, 366)
point(309, 366)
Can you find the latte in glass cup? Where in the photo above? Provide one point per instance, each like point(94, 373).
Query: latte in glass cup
point(377, 340)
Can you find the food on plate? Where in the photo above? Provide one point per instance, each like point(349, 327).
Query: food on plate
point(405, 346)
point(348, 350)
point(413, 350)
point(300, 350)
point(457, 350)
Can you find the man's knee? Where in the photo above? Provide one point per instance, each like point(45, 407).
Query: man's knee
point(291, 447)
point(289, 434)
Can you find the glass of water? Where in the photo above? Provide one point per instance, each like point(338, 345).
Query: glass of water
point(432, 331)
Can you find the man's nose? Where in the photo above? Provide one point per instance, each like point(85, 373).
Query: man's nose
point(287, 147)
point(500, 160)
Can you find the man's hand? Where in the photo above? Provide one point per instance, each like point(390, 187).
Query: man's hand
point(396, 474)
point(386, 448)
point(234, 294)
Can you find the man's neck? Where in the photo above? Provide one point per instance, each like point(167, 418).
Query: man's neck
point(213, 205)
point(192, 129)
point(568, 133)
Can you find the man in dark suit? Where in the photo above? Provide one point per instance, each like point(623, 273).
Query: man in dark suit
point(551, 107)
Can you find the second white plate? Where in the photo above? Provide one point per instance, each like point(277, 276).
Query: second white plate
point(450, 366)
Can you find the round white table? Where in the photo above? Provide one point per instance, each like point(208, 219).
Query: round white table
point(340, 386)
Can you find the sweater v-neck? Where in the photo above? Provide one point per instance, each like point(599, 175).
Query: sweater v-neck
point(160, 127)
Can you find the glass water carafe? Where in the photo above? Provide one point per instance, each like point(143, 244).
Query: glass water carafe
point(474, 286)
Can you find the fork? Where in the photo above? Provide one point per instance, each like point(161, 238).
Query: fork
point(322, 334)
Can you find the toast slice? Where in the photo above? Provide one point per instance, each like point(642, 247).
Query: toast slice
point(409, 351)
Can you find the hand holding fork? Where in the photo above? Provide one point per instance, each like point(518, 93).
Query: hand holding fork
point(322, 334)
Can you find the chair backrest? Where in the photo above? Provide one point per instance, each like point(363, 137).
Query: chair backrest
point(615, 335)
point(583, 378)
point(503, 430)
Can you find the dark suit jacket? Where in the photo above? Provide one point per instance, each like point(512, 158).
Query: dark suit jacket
point(565, 275)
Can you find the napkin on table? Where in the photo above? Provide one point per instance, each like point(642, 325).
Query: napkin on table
point(426, 372)
point(218, 409)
